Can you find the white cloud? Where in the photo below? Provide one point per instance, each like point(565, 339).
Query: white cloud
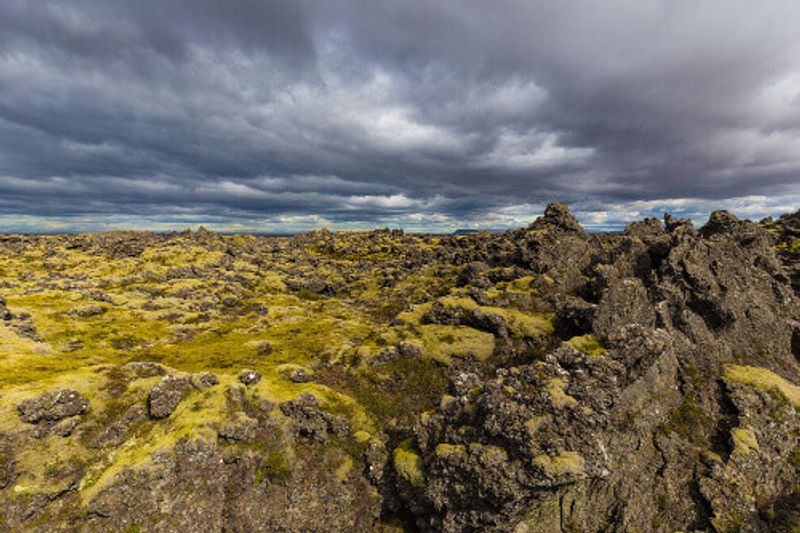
point(532, 150)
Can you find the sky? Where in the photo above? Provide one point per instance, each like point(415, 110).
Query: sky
point(431, 115)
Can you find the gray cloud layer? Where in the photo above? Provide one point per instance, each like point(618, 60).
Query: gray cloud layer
point(432, 114)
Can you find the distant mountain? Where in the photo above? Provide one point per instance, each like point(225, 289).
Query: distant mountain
point(467, 231)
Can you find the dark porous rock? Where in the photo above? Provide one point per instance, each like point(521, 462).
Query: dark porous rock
point(678, 225)
point(664, 398)
point(120, 429)
point(235, 396)
point(312, 284)
point(73, 345)
point(166, 395)
point(409, 350)
point(7, 462)
point(720, 222)
point(24, 328)
point(204, 380)
point(556, 245)
point(145, 369)
point(65, 427)
point(386, 355)
point(90, 310)
point(488, 321)
point(230, 301)
point(574, 315)
point(190, 489)
point(474, 274)
point(264, 347)
point(376, 457)
point(310, 421)
point(53, 406)
point(5, 314)
point(301, 375)
point(249, 377)
point(623, 301)
point(241, 428)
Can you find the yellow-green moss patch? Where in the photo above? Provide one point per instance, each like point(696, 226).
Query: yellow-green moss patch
point(744, 441)
point(444, 342)
point(408, 466)
point(587, 344)
point(533, 424)
point(565, 463)
point(555, 388)
point(764, 380)
point(446, 451)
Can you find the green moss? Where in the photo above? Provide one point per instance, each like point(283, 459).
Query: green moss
point(408, 466)
point(543, 516)
point(688, 420)
point(446, 451)
point(521, 285)
point(533, 424)
point(344, 469)
point(764, 380)
point(587, 344)
point(565, 463)
point(493, 455)
point(444, 342)
point(274, 466)
point(555, 388)
point(402, 389)
point(730, 522)
point(662, 501)
point(209, 306)
point(519, 323)
point(744, 441)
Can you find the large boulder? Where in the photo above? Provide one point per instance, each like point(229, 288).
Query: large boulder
point(166, 395)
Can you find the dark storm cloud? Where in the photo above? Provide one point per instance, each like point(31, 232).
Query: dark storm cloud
point(427, 114)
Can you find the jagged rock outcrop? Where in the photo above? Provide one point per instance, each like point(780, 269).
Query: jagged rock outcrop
point(618, 439)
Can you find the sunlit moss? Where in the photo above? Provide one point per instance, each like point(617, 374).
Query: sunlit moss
point(445, 451)
point(555, 388)
point(587, 344)
point(519, 323)
point(408, 466)
point(744, 441)
point(344, 468)
point(565, 463)
point(444, 342)
point(533, 424)
point(764, 380)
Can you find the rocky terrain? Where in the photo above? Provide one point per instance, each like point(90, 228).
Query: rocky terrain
point(544, 379)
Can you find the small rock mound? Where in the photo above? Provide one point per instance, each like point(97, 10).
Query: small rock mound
point(310, 421)
point(249, 377)
point(53, 406)
point(166, 395)
point(5, 314)
point(204, 380)
point(87, 311)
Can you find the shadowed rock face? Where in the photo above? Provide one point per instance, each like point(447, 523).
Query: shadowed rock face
point(545, 379)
